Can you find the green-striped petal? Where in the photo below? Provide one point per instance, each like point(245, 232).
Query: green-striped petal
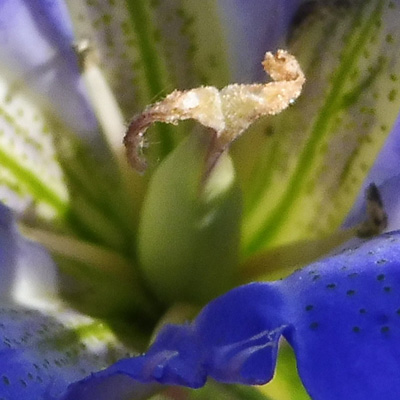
point(316, 155)
point(31, 179)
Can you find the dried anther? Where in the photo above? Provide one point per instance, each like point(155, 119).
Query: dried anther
point(227, 112)
point(84, 52)
point(377, 219)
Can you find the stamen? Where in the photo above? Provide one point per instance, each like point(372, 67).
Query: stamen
point(103, 101)
point(227, 112)
point(284, 260)
point(377, 219)
point(97, 257)
point(116, 269)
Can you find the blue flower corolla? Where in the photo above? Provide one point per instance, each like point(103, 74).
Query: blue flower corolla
point(117, 384)
point(253, 27)
point(340, 314)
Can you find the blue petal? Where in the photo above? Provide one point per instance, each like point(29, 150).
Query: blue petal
point(35, 50)
point(254, 26)
point(346, 322)
point(231, 341)
point(385, 174)
point(8, 253)
point(341, 315)
point(27, 272)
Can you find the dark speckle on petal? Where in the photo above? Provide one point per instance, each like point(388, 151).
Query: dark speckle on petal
point(385, 329)
point(331, 285)
point(314, 326)
point(353, 275)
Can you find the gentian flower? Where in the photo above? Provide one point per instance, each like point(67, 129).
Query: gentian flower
point(135, 256)
point(341, 315)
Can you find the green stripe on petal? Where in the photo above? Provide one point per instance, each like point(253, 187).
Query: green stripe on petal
point(313, 164)
point(148, 48)
point(30, 176)
point(108, 27)
point(201, 36)
point(125, 41)
point(99, 209)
